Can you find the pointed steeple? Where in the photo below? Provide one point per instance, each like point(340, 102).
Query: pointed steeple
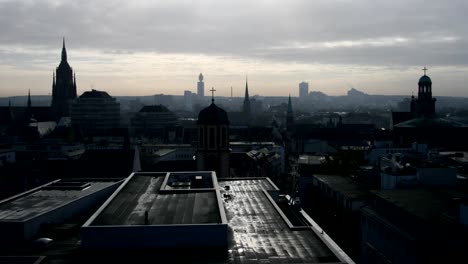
point(290, 105)
point(29, 98)
point(64, 51)
point(246, 106)
point(246, 89)
point(63, 86)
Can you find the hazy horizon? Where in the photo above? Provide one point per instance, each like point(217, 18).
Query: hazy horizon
point(143, 48)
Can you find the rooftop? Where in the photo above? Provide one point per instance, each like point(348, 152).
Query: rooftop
point(259, 231)
point(48, 197)
point(148, 192)
point(423, 203)
point(154, 108)
point(429, 122)
point(342, 184)
point(95, 94)
point(261, 234)
point(212, 115)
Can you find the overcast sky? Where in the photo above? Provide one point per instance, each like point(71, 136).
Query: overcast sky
point(160, 46)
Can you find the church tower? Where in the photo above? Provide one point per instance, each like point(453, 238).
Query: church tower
point(63, 87)
point(424, 104)
point(213, 140)
point(28, 106)
point(246, 107)
point(29, 99)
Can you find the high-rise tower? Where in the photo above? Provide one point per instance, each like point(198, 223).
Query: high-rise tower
point(63, 87)
point(303, 90)
point(246, 106)
point(200, 86)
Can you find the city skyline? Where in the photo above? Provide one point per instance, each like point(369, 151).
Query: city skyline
point(147, 48)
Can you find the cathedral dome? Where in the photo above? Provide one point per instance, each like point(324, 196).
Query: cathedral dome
point(96, 94)
point(213, 115)
point(425, 80)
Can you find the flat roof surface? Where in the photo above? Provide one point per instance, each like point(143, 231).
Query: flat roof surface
point(24, 207)
point(423, 203)
point(260, 234)
point(343, 184)
point(142, 194)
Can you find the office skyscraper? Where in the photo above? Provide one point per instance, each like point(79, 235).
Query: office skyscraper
point(303, 90)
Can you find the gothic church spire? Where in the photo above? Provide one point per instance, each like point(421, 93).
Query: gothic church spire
point(64, 51)
point(246, 106)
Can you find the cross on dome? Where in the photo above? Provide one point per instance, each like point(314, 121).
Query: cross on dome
point(212, 94)
point(425, 69)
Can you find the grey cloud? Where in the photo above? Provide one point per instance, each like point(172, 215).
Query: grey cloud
point(246, 28)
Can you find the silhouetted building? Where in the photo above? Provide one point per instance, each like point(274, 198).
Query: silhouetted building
point(154, 121)
point(413, 126)
point(95, 110)
point(289, 114)
point(63, 87)
point(213, 140)
point(25, 123)
point(423, 106)
point(187, 217)
point(26, 216)
point(246, 106)
point(303, 90)
point(412, 226)
point(200, 86)
point(188, 100)
point(164, 99)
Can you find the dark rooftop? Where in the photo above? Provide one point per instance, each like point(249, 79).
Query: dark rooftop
point(429, 122)
point(423, 203)
point(259, 231)
point(213, 115)
point(142, 194)
point(95, 94)
point(154, 108)
point(45, 199)
point(425, 79)
point(343, 184)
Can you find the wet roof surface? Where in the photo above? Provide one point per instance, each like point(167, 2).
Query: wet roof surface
point(142, 194)
point(259, 233)
point(43, 201)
